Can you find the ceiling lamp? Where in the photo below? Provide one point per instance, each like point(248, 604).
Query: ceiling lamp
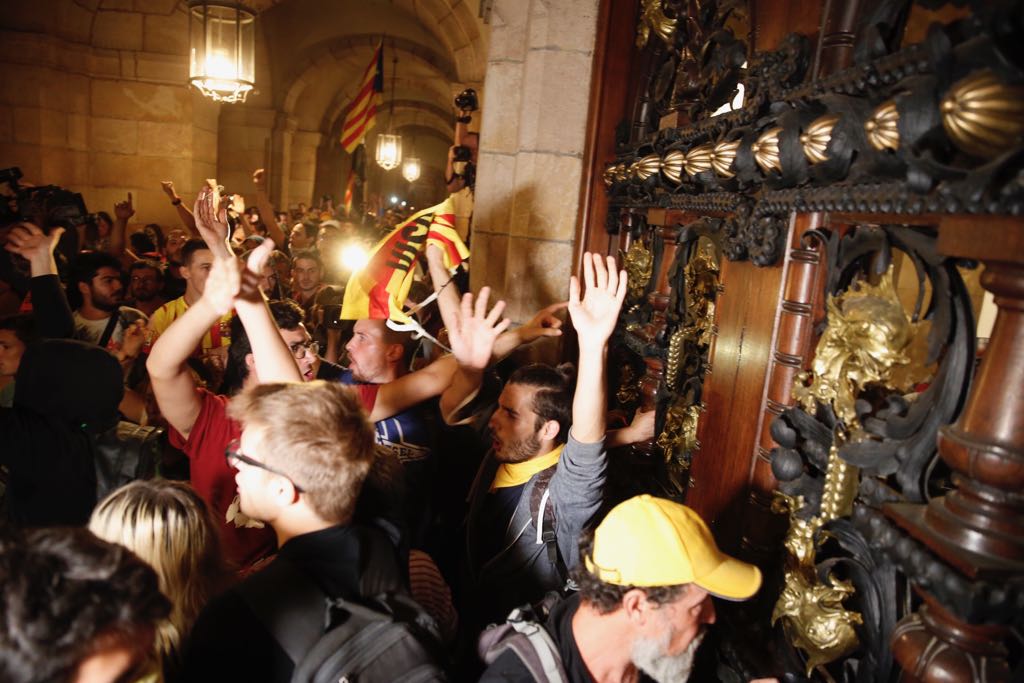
point(389, 151)
point(389, 145)
point(222, 50)
point(411, 169)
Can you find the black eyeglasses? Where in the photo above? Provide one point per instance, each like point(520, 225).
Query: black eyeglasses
point(299, 350)
point(231, 453)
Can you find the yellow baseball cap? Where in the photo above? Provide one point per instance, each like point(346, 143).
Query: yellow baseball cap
point(647, 541)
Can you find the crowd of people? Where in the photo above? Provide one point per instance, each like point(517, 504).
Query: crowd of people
point(209, 476)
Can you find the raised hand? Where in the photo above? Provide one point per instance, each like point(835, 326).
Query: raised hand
point(124, 210)
point(259, 180)
point(30, 242)
point(168, 188)
point(223, 284)
point(212, 220)
point(249, 289)
point(472, 337)
point(594, 316)
point(544, 324)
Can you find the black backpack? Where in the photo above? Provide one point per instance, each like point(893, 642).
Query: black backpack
point(380, 639)
point(125, 453)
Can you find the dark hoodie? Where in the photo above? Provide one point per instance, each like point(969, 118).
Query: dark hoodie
point(66, 393)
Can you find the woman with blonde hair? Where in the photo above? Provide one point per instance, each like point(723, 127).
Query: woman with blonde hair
point(169, 527)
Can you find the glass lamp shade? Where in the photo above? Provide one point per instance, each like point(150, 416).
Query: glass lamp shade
point(222, 50)
point(389, 151)
point(411, 169)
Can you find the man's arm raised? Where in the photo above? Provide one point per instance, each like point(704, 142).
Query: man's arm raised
point(173, 385)
point(594, 317)
point(273, 361)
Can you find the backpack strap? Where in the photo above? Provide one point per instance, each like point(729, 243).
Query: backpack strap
point(108, 331)
point(543, 512)
point(288, 614)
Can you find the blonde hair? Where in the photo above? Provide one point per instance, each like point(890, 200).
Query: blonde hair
point(316, 433)
point(170, 528)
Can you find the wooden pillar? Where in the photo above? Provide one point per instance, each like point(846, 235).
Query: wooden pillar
point(977, 529)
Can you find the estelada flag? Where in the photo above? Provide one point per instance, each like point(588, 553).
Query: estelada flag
point(380, 289)
point(362, 112)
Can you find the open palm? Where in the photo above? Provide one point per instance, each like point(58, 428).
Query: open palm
point(594, 316)
point(472, 337)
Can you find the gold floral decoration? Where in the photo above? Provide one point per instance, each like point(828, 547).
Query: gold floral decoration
point(647, 166)
point(639, 264)
point(653, 18)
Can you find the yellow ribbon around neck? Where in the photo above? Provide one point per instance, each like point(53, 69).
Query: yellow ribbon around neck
point(518, 473)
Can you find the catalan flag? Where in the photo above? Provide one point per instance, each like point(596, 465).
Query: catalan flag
point(350, 186)
point(362, 113)
point(380, 289)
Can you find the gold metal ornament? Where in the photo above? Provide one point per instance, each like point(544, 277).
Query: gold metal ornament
point(817, 136)
point(766, 150)
point(869, 342)
point(983, 116)
point(629, 387)
point(647, 166)
point(653, 18)
point(722, 156)
point(639, 263)
point(672, 166)
point(611, 175)
point(680, 433)
point(698, 159)
point(883, 127)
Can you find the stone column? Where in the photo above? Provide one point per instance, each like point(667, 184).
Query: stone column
point(531, 150)
point(281, 159)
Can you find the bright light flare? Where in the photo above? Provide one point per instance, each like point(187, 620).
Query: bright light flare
point(354, 257)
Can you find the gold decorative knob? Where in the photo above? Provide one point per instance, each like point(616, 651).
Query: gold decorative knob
point(766, 150)
point(646, 167)
point(672, 166)
point(698, 159)
point(722, 157)
point(611, 175)
point(983, 116)
point(883, 127)
point(817, 136)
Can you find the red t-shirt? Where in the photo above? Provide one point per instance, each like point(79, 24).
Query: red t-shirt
point(245, 540)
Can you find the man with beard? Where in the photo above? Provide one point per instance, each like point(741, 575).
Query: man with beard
point(649, 571)
point(96, 279)
point(542, 482)
point(146, 283)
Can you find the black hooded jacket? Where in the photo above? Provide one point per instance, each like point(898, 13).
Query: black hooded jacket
point(66, 393)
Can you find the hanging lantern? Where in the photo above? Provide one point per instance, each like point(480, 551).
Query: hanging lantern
point(411, 169)
point(222, 50)
point(389, 151)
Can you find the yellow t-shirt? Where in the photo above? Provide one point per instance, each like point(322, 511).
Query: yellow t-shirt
point(217, 336)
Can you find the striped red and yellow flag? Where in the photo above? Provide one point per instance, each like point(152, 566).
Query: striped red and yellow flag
point(350, 186)
point(362, 113)
point(380, 289)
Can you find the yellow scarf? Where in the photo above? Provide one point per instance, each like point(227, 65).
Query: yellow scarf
point(518, 473)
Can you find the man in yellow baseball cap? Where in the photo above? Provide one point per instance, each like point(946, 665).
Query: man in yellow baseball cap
point(646, 578)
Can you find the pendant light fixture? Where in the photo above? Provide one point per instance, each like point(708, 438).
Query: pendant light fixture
point(389, 145)
point(411, 166)
point(222, 50)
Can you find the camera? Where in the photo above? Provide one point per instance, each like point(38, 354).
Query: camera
point(48, 206)
point(467, 100)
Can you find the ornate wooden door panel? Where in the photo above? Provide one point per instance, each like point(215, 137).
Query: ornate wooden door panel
point(814, 408)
